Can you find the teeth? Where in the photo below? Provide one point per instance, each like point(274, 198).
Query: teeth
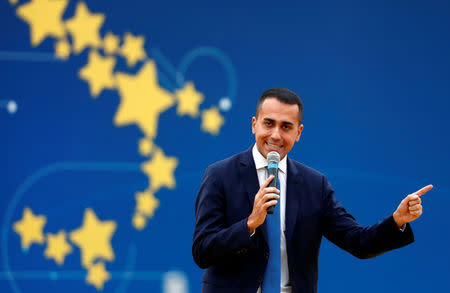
point(273, 146)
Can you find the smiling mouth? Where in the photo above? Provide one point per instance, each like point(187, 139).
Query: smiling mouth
point(273, 146)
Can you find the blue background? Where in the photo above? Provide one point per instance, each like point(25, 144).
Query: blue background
point(374, 78)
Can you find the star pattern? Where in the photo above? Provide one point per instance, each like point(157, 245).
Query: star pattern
point(110, 43)
point(62, 49)
point(57, 247)
point(98, 275)
point(160, 169)
point(189, 100)
point(146, 203)
point(142, 99)
point(98, 73)
point(212, 121)
point(30, 228)
point(145, 146)
point(139, 221)
point(44, 18)
point(85, 28)
point(94, 239)
point(133, 49)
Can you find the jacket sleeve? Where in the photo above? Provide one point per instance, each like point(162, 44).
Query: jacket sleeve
point(215, 241)
point(342, 229)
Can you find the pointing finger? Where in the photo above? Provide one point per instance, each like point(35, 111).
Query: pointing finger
point(424, 190)
point(267, 182)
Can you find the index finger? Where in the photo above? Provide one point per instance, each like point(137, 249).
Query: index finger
point(423, 190)
point(267, 182)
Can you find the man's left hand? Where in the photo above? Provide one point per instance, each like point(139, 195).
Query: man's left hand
point(411, 207)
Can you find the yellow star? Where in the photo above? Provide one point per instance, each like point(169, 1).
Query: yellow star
point(212, 120)
point(110, 43)
point(139, 221)
point(188, 100)
point(98, 73)
point(85, 28)
point(57, 247)
point(98, 275)
point(146, 203)
point(160, 170)
point(30, 228)
point(62, 49)
point(145, 146)
point(133, 49)
point(142, 99)
point(94, 239)
point(44, 18)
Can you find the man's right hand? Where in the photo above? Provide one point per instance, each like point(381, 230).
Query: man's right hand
point(266, 197)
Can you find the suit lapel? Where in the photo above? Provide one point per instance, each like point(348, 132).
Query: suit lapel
point(247, 171)
point(293, 198)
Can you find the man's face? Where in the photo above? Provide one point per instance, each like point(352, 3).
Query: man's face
point(277, 127)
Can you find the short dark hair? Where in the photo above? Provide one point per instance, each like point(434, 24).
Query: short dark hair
point(284, 96)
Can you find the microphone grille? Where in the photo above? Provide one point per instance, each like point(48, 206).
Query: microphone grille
point(273, 157)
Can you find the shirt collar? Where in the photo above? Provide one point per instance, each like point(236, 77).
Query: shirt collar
point(261, 162)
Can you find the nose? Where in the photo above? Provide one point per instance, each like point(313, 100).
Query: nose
point(275, 135)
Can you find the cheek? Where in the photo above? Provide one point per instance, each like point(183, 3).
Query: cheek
point(261, 133)
point(289, 139)
point(261, 138)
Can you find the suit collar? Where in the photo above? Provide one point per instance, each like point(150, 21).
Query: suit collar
point(249, 175)
point(294, 194)
point(247, 171)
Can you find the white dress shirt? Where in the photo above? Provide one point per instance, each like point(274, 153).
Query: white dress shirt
point(261, 164)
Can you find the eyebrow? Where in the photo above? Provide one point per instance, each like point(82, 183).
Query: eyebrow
point(284, 122)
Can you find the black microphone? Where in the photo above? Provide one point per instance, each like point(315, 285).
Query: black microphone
point(273, 158)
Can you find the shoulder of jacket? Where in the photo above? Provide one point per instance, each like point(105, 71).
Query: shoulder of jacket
point(306, 170)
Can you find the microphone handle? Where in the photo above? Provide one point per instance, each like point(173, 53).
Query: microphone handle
point(273, 183)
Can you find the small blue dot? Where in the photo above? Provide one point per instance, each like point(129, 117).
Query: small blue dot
point(53, 276)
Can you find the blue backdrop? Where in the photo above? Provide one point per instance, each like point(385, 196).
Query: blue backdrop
point(80, 143)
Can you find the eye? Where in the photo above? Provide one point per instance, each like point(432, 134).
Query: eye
point(267, 123)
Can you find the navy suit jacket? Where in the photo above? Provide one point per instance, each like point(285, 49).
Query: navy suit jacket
point(235, 262)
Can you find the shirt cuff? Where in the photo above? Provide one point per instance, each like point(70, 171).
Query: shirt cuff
point(402, 228)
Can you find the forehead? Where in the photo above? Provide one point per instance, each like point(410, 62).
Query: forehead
point(273, 109)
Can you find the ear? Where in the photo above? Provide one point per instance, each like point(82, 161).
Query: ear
point(253, 124)
point(299, 132)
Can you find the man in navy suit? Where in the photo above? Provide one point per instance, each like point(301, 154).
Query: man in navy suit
point(231, 239)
